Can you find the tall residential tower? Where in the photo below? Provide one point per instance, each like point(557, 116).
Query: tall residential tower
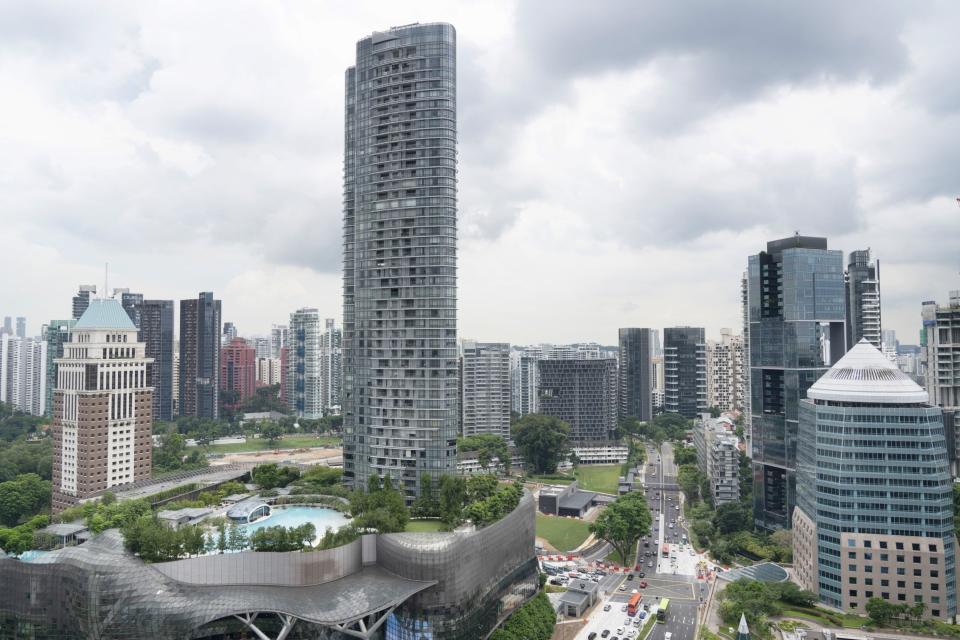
point(863, 299)
point(200, 356)
point(636, 374)
point(400, 257)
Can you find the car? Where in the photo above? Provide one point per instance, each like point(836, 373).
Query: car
point(643, 614)
point(619, 631)
point(631, 633)
point(622, 587)
point(642, 574)
point(649, 565)
point(667, 635)
point(593, 634)
point(623, 609)
point(555, 581)
point(629, 576)
point(606, 607)
point(643, 584)
point(605, 633)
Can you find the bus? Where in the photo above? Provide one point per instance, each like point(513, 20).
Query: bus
point(665, 552)
point(633, 604)
point(662, 610)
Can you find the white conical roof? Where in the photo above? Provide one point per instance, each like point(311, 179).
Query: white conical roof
point(866, 375)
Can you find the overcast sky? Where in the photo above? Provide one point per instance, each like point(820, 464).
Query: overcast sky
point(618, 160)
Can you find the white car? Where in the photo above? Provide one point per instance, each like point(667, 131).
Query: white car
point(667, 635)
point(620, 631)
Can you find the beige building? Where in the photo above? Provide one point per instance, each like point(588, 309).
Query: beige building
point(725, 381)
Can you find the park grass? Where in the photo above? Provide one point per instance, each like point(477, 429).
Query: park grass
point(826, 618)
point(550, 478)
point(563, 534)
point(598, 477)
point(424, 525)
point(614, 557)
point(287, 442)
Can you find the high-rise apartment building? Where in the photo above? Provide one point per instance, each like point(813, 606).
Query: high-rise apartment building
point(524, 379)
point(486, 388)
point(268, 372)
point(888, 344)
point(304, 374)
point(797, 328)
point(400, 250)
point(23, 374)
point(103, 407)
point(229, 333)
point(262, 346)
point(21, 327)
point(82, 299)
point(331, 366)
point(56, 333)
point(200, 356)
point(745, 365)
point(636, 373)
point(718, 458)
point(940, 352)
point(725, 388)
point(659, 382)
point(874, 514)
point(156, 333)
point(238, 370)
point(685, 371)
point(582, 393)
point(7, 329)
point(862, 281)
point(175, 389)
point(278, 339)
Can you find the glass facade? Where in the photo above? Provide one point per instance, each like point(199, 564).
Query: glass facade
point(156, 332)
point(400, 361)
point(636, 374)
point(685, 371)
point(795, 292)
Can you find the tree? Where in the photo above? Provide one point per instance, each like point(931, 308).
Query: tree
point(453, 493)
point(880, 611)
point(425, 505)
point(222, 538)
point(731, 517)
point(543, 441)
point(488, 446)
point(623, 522)
point(688, 477)
point(272, 432)
point(271, 475)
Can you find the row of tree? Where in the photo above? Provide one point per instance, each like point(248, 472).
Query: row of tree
point(23, 497)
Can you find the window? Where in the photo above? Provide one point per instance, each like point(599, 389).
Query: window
point(884, 569)
point(852, 555)
point(901, 584)
point(868, 556)
point(900, 546)
point(901, 597)
point(851, 567)
point(916, 560)
point(853, 580)
point(853, 593)
point(868, 544)
point(934, 586)
point(883, 544)
point(936, 613)
point(915, 546)
point(884, 557)
point(884, 583)
point(933, 548)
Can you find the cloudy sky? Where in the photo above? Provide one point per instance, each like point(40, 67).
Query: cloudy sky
point(618, 160)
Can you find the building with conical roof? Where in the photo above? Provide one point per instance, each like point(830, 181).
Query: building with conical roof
point(102, 406)
point(874, 515)
point(743, 631)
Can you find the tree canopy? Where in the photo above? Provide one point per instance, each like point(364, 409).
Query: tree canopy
point(542, 440)
point(488, 446)
point(623, 522)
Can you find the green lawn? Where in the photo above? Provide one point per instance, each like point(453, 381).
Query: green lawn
point(424, 525)
point(551, 478)
point(287, 442)
point(563, 533)
point(599, 477)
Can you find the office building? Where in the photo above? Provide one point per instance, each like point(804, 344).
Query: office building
point(7, 329)
point(268, 372)
point(229, 333)
point(82, 299)
point(582, 393)
point(486, 388)
point(304, 374)
point(725, 387)
point(718, 458)
point(685, 371)
point(874, 514)
point(132, 303)
point(156, 333)
point(635, 378)
point(400, 249)
point(55, 334)
point(940, 351)
point(888, 344)
point(238, 370)
point(23, 374)
point(524, 379)
point(200, 356)
point(103, 405)
point(278, 339)
point(262, 346)
point(745, 313)
point(331, 367)
point(797, 328)
point(175, 390)
point(862, 281)
point(21, 327)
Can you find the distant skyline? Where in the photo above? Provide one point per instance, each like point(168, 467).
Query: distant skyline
point(617, 167)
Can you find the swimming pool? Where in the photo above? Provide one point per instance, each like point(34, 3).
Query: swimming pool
point(322, 519)
point(32, 556)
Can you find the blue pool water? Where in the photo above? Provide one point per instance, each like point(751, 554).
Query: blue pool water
point(31, 556)
point(321, 517)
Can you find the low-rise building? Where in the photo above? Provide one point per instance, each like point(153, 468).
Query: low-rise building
point(718, 457)
point(560, 500)
point(602, 453)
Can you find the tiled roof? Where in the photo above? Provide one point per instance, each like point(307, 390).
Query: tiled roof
point(104, 314)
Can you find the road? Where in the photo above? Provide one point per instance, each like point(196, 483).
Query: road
point(685, 592)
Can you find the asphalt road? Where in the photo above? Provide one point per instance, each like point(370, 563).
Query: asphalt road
point(684, 591)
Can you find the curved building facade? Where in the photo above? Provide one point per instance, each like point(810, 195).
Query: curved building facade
point(444, 586)
point(874, 515)
point(400, 364)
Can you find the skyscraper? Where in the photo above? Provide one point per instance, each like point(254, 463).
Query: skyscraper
point(524, 379)
point(56, 333)
point(82, 299)
point(23, 374)
point(238, 370)
point(263, 347)
point(486, 388)
point(797, 328)
point(874, 496)
point(229, 333)
point(331, 366)
point(940, 351)
point(278, 339)
point(582, 393)
point(132, 303)
point(200, 356)
point(400, 251)
point(725, 388)
point(862, 282)
point(102, 407)
point(636, 374)
point(888, 344)
point(304, 375)
point(156, 334)
point(685, 371)
point(21, 327)
point(7, 329)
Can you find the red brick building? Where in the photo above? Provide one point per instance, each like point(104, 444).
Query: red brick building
point(238, 369)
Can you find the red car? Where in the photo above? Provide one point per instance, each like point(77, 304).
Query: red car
point(643, 584)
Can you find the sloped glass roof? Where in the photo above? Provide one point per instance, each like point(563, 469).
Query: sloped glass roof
point(104, 314)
